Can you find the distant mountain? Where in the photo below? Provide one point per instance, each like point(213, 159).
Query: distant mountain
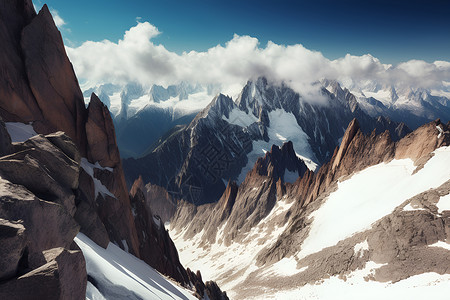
point(143, 114)
point(226, 138)
point(413, 106)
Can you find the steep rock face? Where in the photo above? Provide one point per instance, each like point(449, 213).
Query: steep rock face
point(17, 102)
point(159, 251)
point(52, 186)
point(101, 138)
point(59, 97)
point(156, 247)
point(33, 50)
point(114, 211)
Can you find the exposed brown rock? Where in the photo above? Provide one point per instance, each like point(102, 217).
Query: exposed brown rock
point(102, 145)
point(114, 212)
point(86, 213)
point(352, 129)
point(59, 96)
point(423, 141)
point(17, 102)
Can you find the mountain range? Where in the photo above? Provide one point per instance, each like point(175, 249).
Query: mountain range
point(269, 194)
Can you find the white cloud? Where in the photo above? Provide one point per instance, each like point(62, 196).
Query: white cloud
point(57, 18)
point(137, 58)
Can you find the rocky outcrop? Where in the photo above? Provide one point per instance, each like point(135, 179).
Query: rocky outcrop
point(114, 212)
point(33, 51)
point(63, 276)
point(207, 290)
point(358, 151)
point(86, 214)
point(278, 161)
point(52, 79)
point(101, 138)
point(17, 102)
point(242, 207)
point(155, 246)
point(37, 205)
point(12, 235)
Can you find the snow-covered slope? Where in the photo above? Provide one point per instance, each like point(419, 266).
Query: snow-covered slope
point(116, 274)
point(378, 232)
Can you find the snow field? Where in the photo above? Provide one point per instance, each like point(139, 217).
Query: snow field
point(120, 275)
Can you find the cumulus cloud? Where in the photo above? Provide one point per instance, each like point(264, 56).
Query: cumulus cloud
point(137, 58)
point(59, 21)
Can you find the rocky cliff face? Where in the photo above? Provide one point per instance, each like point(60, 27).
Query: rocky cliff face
point(271, 223)
point(60, 183)
point(33, 51)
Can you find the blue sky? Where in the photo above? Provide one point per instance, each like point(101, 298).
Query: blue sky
point(393, 31)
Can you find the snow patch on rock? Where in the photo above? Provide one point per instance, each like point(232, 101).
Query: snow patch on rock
point(370, 195)
point(99, 187)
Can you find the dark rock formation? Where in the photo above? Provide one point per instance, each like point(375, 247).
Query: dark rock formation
point(12, 235)
point(5, 140)
point(86, 213)
point(32, 50)
point(155, 245)
point(208, 289)
point(279, 160)
point(244, 206)
point(58, 96)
